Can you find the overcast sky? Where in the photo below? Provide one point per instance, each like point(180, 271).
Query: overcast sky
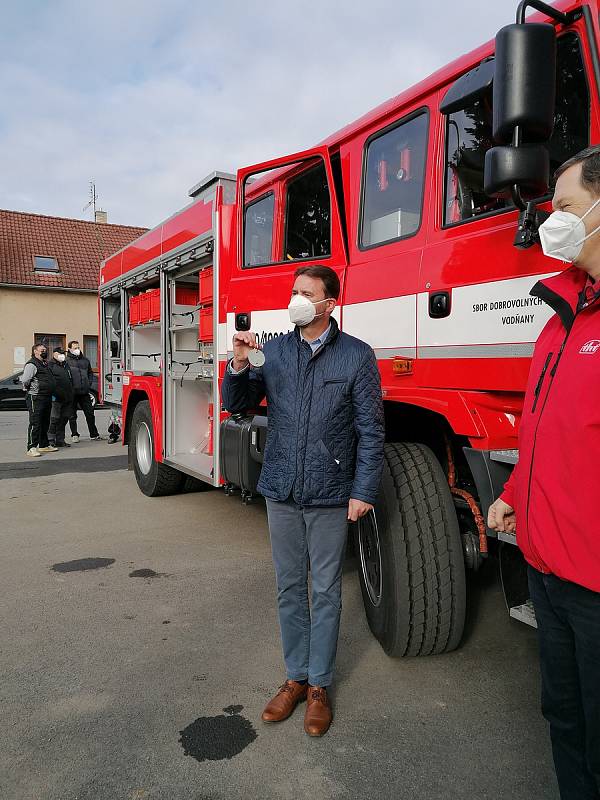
point(148, 96)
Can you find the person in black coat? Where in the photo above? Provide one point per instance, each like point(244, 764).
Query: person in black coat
point(62, 399)
point(82, 374)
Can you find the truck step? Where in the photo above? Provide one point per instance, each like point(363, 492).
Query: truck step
point(504, 536)
point(524, 613)
point(505, 456)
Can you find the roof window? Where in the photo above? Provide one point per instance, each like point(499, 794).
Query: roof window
point(45, 264)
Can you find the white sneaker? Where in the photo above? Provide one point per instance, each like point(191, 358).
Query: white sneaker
point(34, 452)
point(75, 439)
point(49, 449)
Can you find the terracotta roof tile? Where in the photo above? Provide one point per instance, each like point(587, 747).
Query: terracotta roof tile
point(78, 246)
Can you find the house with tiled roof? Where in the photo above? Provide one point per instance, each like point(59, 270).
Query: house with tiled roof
point(49, 281)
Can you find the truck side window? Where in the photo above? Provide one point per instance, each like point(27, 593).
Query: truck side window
point(308, 215)
point(258, 231)
point(469, 136)
point(393, 182)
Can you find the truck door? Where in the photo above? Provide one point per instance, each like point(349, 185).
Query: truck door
point(287, 216)
point(387, 233)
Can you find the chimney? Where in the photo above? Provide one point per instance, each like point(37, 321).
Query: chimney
point(101, 216)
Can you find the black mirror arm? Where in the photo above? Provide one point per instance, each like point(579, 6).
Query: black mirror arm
point(539, 5)
point(530, 220)
point(515, 191)
point(517, 199)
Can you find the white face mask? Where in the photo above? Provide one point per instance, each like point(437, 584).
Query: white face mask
point(59, 356)
point(563, 234)
point(76, 351)
point(303, 311)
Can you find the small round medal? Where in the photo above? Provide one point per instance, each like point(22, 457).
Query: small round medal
point(256, 358)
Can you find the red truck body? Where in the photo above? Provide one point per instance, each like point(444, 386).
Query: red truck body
point(395, 204)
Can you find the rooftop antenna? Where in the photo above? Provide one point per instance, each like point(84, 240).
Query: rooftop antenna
point(98, 232)
point(93, 198)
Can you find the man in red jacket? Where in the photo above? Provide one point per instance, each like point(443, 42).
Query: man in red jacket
point(551, 495)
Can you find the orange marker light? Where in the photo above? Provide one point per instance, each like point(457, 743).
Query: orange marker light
point(402, 366)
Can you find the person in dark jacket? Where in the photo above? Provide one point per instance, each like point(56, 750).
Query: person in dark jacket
point(551, 496)
point(322, 467)
point(62, 399)
point(82, 374)
point(38, 382)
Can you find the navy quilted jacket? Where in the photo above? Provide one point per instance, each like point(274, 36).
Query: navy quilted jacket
point(326, 432)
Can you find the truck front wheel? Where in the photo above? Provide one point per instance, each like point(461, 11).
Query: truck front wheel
point(154, 479)
point(410, 555)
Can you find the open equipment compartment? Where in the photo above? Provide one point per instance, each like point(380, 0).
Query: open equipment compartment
point(190, 384)
point(143, 345)
point(112, 339)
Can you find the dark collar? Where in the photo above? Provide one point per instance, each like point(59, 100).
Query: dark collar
point(561, 292)
point(333, 334)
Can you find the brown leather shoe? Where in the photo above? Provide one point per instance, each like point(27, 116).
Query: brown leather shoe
point(285, 701)
point(318, 716)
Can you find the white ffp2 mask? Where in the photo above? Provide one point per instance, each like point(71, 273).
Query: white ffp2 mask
point(302, 310)
point(563, 234)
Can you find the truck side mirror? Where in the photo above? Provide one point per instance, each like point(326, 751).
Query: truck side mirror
point(524, 96)
point(524, 89)
point(527, 167)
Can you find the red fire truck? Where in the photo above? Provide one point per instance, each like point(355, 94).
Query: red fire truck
point(427, 208)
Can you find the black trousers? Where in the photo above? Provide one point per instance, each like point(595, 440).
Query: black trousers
point(568, 617)
point(83, 402)
point(59, 416)
point(39, 420)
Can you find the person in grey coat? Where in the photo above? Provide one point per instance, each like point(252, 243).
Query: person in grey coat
point(39, 383)
point(322, 468)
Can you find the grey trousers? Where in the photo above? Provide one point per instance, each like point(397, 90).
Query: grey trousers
point(59, 416)
point(301, 538)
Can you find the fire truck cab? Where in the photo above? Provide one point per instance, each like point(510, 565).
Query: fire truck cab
point(427, 208)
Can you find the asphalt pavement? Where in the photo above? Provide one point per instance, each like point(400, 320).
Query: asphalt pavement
point(140, 643)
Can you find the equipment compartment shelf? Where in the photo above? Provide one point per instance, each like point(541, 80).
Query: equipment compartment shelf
point(191, 327)
point(145, 325)
point(196, 371)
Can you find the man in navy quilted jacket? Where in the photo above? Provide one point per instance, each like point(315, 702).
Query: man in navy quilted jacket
point(322, 467)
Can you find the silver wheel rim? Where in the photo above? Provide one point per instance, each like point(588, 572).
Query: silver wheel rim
point(370, 557)
point(143, 448)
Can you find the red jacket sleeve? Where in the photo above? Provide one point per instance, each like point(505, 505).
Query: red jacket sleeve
point(508, 495)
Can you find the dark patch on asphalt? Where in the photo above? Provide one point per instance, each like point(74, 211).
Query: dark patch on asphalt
point(144, 573)
point(82, 564)
point(217, 738)
point(166, 622)
point(54, 464)
point(233, 709)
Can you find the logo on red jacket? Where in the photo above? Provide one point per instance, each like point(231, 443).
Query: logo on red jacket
point(591, 347)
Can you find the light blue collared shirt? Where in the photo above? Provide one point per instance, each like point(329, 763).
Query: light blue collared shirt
point(314, 346)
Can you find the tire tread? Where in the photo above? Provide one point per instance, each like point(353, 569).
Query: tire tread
point(427, 554)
